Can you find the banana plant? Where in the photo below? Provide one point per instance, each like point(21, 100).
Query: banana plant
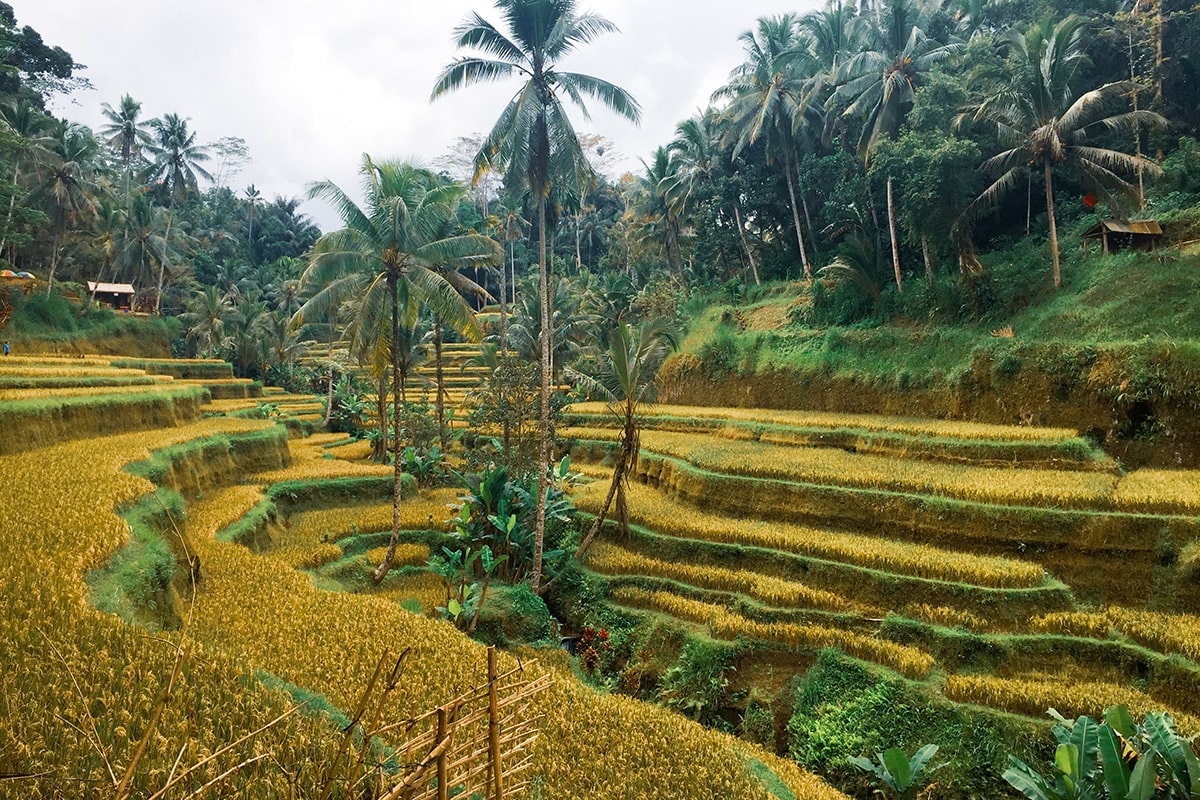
point(1117, 759)
point(899, 775)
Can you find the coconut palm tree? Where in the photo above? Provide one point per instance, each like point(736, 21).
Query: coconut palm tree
point(659, 214)
point(533, 141)
point(880, 82)
point(253, 201)
point(625, 382)
point(206, 318)
point(36, 143)
point(396, 242)
point(768, 93)
point(67, 187)
point(126, 133)
point(1045, 124)
point(178, 167)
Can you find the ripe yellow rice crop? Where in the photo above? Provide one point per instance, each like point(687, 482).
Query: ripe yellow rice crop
point(613, 560)
point(406, 555)
point(1073, 623)
point(62, 371)
point(1034, 695)
point(91, 391)
point(868, 422)
point(57, 522)
point(726, 624)
point(430, 511)
point(1168, 491)
point(832, 466)
point(946, 617)
point(311, 460)
point(1169, 633)
point(652, 509)
point(254, 613)
point(275, 619)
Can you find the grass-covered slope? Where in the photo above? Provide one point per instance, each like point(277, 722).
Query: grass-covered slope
point(1115, 354)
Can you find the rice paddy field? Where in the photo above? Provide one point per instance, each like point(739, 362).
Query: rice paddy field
point(1002, 571)
point(994, 572)
point(95, 630)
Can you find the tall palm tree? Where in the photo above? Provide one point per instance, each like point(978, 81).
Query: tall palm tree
point(127, 134)
point(1044, 123)
point(253, 201)
point(36, 142)
point(767, 93)
point(178, 167)
point(206, 317)
point(396, 242)
point(625, 382)
point(533, 140)
point(659, 214)
point(143, 242)
point(880, 82)
point(68, 189)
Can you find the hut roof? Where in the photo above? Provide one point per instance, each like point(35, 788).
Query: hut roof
point(1145, 227)
point(111, 288)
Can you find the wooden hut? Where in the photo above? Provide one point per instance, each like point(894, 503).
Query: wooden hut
point(117, 295)
point(1115, 235)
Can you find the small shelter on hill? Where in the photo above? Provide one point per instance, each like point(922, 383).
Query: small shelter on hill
point(1115, 235)
point(117, 295)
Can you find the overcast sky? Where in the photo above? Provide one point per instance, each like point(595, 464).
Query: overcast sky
point(312, 85)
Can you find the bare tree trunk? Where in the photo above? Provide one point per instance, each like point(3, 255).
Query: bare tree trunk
point(675, 254)
point(329, 387)
point(1053, 228)
point(539, 536)
point(397, 472)
point(12, 205)
point(503, 301)
point(53, 263)
point(928, 259)
point(99, 278)
point(162, 262)
point(737, 215)
point(812, 232)
point(791, 184)
point(891, 206)
point(381, 446)
point(440, 377)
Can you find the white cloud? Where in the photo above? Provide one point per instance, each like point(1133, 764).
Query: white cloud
point(312, 85)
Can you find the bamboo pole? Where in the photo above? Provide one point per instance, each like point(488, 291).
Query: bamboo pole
point(443, 778)
point(494, 725)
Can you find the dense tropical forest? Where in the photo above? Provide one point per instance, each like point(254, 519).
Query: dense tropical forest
point(841, 427)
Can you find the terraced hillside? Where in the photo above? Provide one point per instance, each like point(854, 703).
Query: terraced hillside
point(1011, 568)
point(134, 494)
point(459, 375)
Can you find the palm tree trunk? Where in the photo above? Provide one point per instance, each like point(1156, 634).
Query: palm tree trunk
point(397, 472)
point(503, 302)
point(99, 277)
point(162, 262)
point(791, 184)
point(812, 232)
point(928, 259)
point(381, 446)
point(628, 442)
point(329, 386)
point(440, 377)
point(539, 536)
point(737, 215)
point(891, 205)
point(12, 205)
point(53, 263)
point(675, 254)
point(1053, 229)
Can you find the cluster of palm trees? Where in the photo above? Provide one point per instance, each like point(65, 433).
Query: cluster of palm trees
point(829, 93)
point(126, 203)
